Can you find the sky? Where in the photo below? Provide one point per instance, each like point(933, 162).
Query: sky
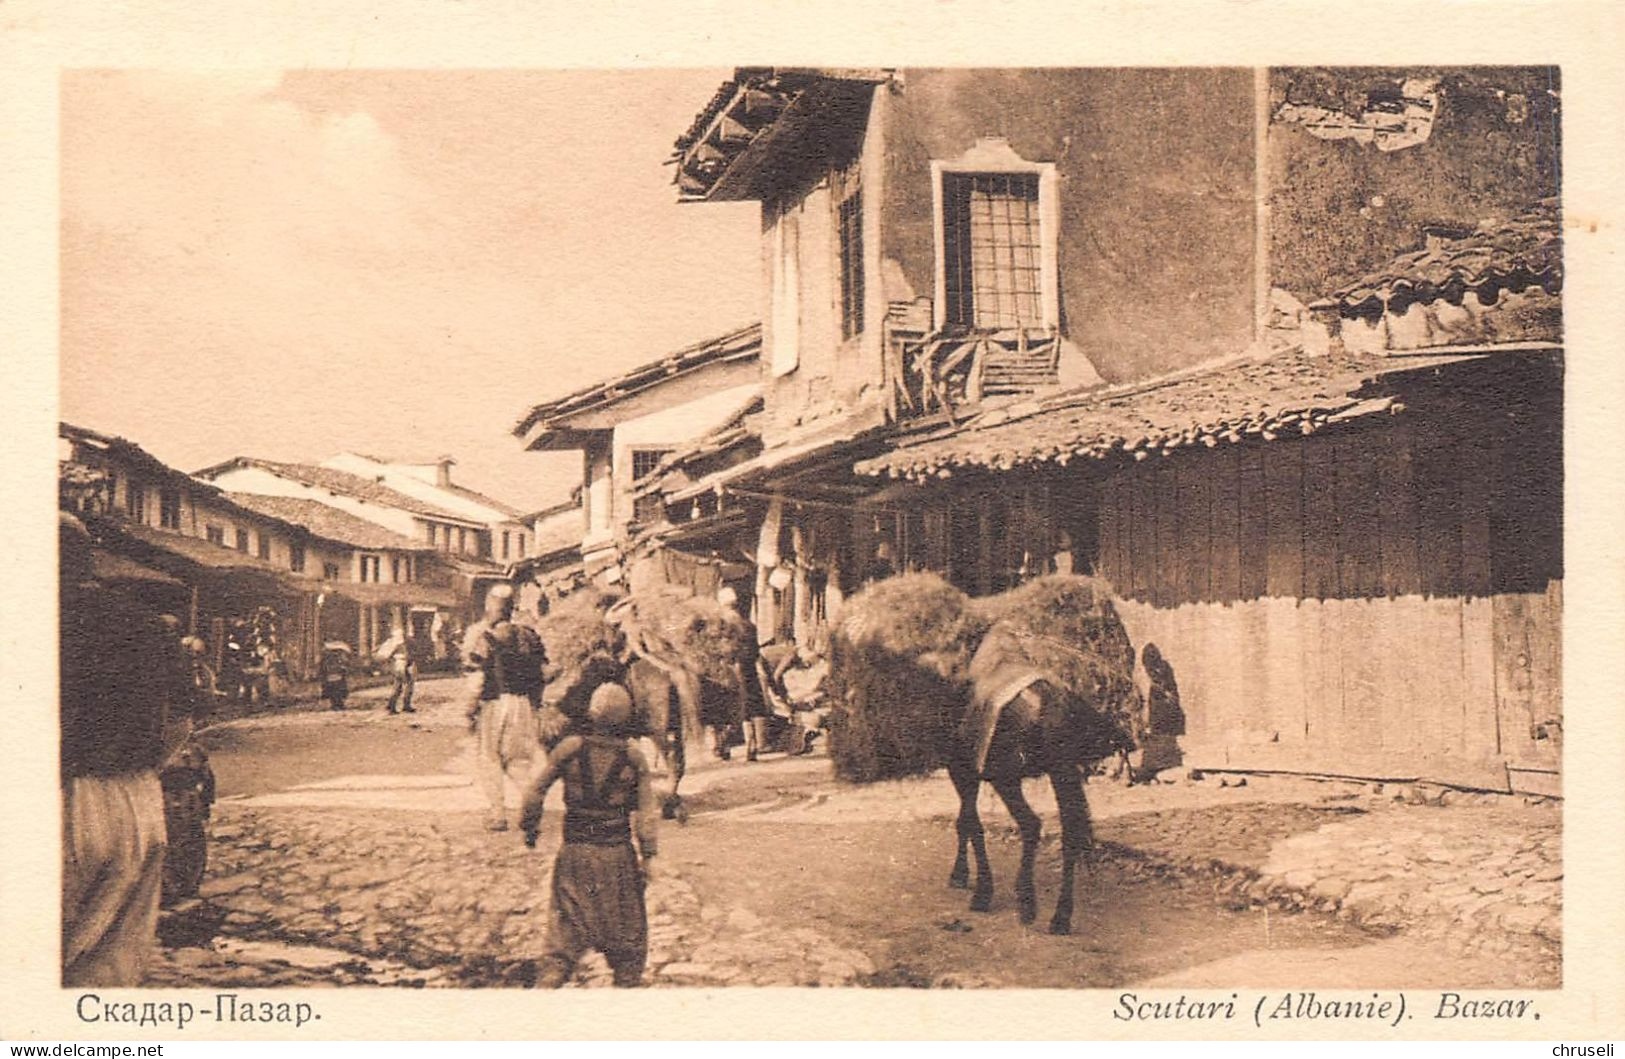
point(293, 264)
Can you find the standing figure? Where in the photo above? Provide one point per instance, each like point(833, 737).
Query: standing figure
point(598, 880)
point(400, 651)
point(188, 784)
point(504, 662)
point(120, 672)
point(334, 673)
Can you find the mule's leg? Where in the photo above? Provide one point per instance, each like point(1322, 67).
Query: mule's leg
point(967, 784)
point(1077, 838)
point(1009, 787)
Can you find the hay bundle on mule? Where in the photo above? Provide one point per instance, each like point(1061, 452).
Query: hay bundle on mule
point(898, 665)
point(1067, 627)
point(581, 653)
point(697, 633)
point(574, 629)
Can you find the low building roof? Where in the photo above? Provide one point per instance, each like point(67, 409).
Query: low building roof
point(739, 345)
point(130, 452)
point(329, 523)
point(1287, 395)
point(836, 441)
point(1512, 254)
point(453, 488)
point(343, 482)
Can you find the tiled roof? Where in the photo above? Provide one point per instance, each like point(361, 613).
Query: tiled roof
point(342, 482)
point(743, 344)
point(327, 522)
point(128, 450)
point(1516, 254)
point(480, 498)
point(1289, 394)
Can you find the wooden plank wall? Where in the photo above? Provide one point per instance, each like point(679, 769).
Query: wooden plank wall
point(1329, 604)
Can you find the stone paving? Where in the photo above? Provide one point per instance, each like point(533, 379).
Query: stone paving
point(1481, 871)
point(390, 899)
point(367, 880)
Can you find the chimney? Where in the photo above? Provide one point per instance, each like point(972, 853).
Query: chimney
point(442, 475)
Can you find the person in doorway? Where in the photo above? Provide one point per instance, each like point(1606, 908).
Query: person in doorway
point(504, 663)
point(799, 677)
point(598, 879)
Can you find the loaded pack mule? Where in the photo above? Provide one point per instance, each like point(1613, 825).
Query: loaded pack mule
point(1047, 691)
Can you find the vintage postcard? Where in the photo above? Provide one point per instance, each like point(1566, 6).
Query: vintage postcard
point(604, 526)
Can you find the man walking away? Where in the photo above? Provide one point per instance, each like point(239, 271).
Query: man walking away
point(504, 662)
point(598, 882)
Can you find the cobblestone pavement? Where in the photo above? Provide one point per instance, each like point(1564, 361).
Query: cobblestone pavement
point(365, 880)
point(1481, 871)
point(369, 898)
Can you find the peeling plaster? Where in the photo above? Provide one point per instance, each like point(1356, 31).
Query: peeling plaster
point(1390, 123)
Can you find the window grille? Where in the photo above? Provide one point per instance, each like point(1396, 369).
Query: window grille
point(644, 462)
point(991, 245)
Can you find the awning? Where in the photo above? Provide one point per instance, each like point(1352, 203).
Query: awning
point(819, 443)
point(405, 594)
point(1288, 395)
point(108, 567)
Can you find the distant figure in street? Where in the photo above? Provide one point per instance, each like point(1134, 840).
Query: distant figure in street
point(400, 652)
point(333, 671)
point(598, 881)
point(121, 670)
point(504, 663)
point(188, 783)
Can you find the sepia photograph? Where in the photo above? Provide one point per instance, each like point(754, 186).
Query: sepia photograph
point(945, 527)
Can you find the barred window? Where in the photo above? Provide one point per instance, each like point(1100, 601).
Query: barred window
point(215, 534)
point(644, 462)
point(296, 558)
point(851, 225)
point(242, 541)
point(265, 546)
point(992, 249)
